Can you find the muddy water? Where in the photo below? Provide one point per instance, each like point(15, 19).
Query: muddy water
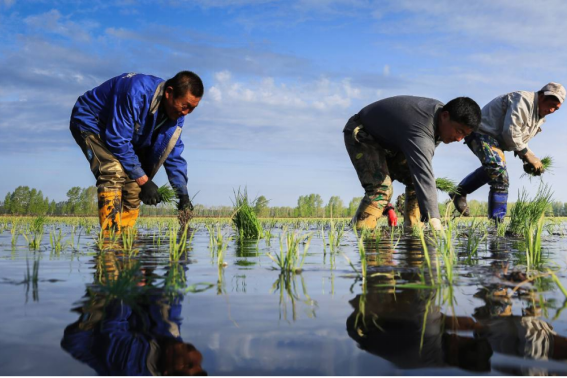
point(85, 313)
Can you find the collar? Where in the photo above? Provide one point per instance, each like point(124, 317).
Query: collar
point(158, 95)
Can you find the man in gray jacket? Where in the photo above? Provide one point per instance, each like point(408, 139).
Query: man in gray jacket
point(394, 139)
point(508, 123)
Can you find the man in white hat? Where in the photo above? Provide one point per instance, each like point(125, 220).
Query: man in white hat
point(508, 123)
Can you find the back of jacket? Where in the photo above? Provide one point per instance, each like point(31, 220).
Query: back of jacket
point(512, 119)
point(125, 112)
point(408, 124)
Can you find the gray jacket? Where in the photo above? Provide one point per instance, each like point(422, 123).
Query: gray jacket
point(513, 119)
point(408, 124)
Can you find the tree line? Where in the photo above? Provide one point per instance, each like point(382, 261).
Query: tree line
point(83, 201)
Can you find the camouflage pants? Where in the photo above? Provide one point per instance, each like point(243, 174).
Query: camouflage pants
point(492, 158)
point(376, 167)
point(106, 168)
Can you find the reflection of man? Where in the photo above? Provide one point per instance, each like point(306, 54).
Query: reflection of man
point(408, 329)
point(391, 325)
point(137, 335)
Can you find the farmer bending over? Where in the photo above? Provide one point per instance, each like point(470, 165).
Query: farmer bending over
point(128, 127)
point(394, 139)
point(508, 123)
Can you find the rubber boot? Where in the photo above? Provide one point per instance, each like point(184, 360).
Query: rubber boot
point(469, 184)
point(367, 214)
point(497, 205)
point(129, 217)
point(412, 215)
point(109, 208)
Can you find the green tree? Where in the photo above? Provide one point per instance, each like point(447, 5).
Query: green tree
point(20, 200)
point(261, 207)
point(310, 206)
point(353, 206)
point(334, 207)
point(73, 200)
point(7, 202)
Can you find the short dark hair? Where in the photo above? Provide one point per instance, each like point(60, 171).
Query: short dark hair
point(465, 111)
point(186, 81)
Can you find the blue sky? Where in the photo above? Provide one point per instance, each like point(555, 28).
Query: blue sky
point(282, 77)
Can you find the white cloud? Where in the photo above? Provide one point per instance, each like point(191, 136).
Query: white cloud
point(54, 22)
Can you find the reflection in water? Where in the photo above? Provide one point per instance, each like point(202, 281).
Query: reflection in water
point(407, 328)
point(129, 325)
point(286, 284)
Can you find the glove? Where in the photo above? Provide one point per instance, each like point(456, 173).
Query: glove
point(534, 162)
point(392, 217)
point(149, 194)
point(435, 224)
point(184, 203)
point(528, 169)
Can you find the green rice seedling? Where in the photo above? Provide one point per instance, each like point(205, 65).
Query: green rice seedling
point(526, 213)
point(501, 228)
point(532, 238)
point(446, 185)
point(558, 283)
point(421, 235)
point(335, 235)
point(128, 237)
point(36, 233)
point(55, 240)
point(244, 218)
point(290, 259)
point(177, 247)
point(474, 238)
point(167, 194)
point(362, 254)
point(217, 240)
point(14, 232)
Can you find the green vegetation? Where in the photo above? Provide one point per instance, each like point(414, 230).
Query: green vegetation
point(244, 217)
point(446, 185)
point(167, 194)
point(527, 213)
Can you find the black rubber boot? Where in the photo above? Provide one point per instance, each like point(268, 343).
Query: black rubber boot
point(460, 202)
point(469, 184)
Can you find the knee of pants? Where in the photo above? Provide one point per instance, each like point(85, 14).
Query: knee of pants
point(498, 177)
point(131, 195)
point(381, 194)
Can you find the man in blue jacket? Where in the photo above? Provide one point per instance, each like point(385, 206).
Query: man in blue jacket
point(128, 127)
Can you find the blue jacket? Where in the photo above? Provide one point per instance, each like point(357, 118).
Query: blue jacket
point(125, 112)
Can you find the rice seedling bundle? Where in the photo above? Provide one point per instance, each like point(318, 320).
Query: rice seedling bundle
point(446, 185)
point(547, 162)
point(244, 217)
point(167, 194)
point(526, 213)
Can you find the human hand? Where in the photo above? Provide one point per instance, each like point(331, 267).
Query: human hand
point(435, 223)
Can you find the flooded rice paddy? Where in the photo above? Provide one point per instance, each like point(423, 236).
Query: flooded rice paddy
point(76, 303)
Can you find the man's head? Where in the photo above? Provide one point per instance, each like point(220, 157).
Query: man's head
point(457, 119)
point(182, 94)
point(550, 98)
